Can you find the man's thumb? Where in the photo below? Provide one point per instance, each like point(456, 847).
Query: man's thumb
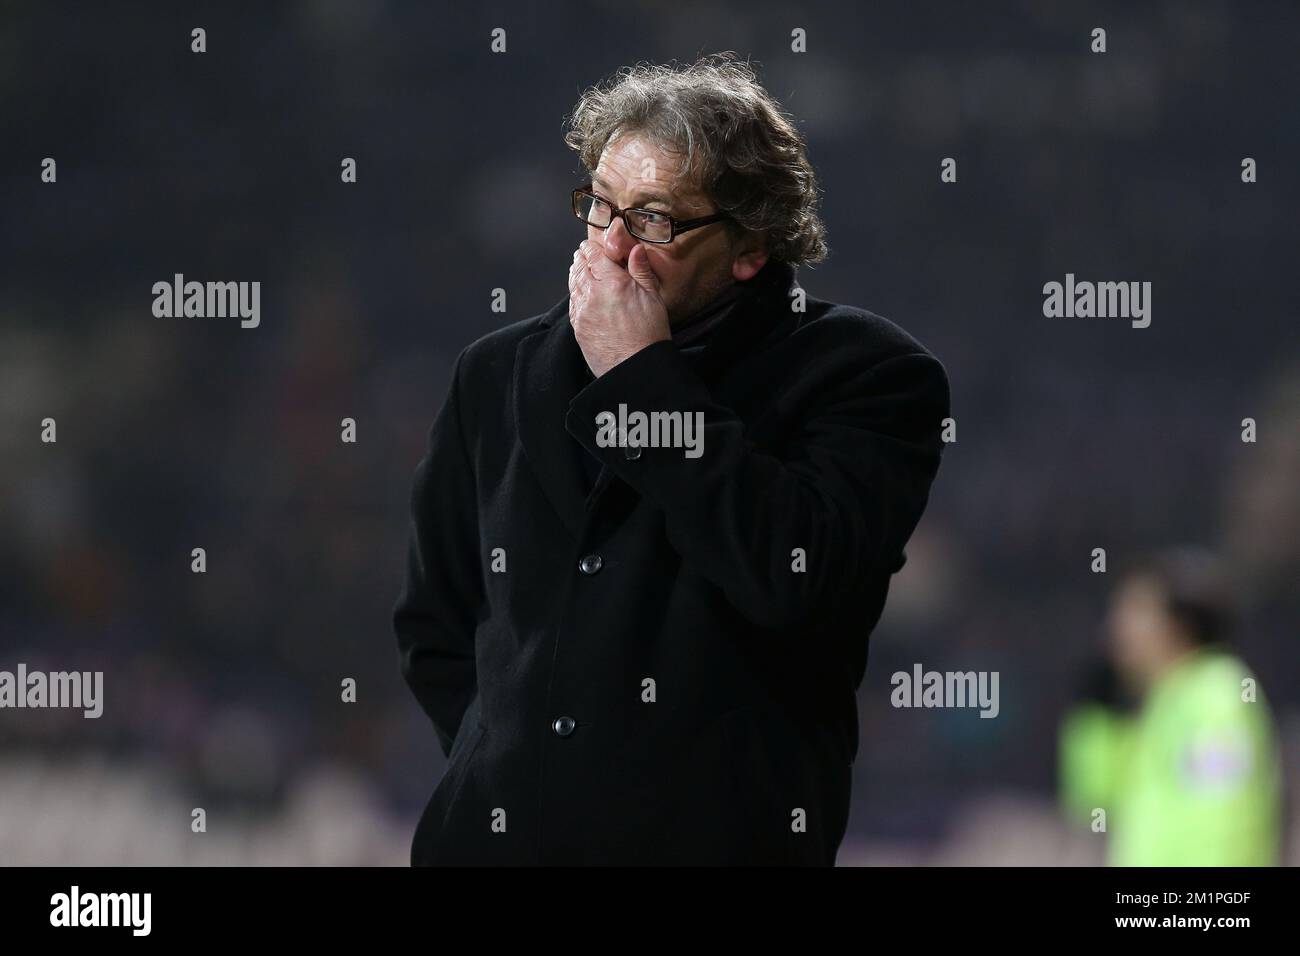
point(638, 267)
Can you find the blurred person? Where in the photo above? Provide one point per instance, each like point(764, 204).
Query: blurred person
point(1172, 736)
point(643, 652)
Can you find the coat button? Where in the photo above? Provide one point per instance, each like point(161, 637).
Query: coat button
point(563, 726)
point(590, 564)
point(633, 452)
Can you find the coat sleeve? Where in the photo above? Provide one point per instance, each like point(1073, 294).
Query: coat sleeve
point(848, 489)
point(436, 613)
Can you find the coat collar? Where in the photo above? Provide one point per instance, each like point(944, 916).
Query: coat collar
point(550, 371)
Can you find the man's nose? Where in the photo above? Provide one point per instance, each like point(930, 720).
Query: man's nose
point(618, 242)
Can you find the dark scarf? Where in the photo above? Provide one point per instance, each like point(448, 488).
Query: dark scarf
point(692, 332)
point(691, 335)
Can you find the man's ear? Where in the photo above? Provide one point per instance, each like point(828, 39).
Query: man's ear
point(750, 259)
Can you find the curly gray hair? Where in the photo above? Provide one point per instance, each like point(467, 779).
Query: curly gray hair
point(737, 144)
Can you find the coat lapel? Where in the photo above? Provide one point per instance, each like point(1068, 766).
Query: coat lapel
point(548, 372)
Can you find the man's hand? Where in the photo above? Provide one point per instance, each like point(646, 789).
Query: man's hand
point(615, 312)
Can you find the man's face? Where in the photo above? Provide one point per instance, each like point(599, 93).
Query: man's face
point(1143, 637)
point(696, 266)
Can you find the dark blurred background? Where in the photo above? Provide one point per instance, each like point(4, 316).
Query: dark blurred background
point(222, 690)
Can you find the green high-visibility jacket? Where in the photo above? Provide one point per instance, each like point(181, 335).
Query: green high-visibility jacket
point(1193, 779)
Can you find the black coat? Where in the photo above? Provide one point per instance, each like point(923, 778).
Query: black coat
point(651, 679)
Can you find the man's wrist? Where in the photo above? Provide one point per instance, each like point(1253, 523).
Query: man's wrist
point(634, 351)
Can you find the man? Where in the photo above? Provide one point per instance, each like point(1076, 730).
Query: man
point(637, 651)
point(1191, 779)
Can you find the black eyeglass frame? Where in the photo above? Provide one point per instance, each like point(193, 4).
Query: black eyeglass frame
point(677, 226)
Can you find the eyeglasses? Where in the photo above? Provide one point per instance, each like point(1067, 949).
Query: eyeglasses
point(649, 225)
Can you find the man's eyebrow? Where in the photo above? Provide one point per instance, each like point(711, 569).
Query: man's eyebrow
point(643, 197)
